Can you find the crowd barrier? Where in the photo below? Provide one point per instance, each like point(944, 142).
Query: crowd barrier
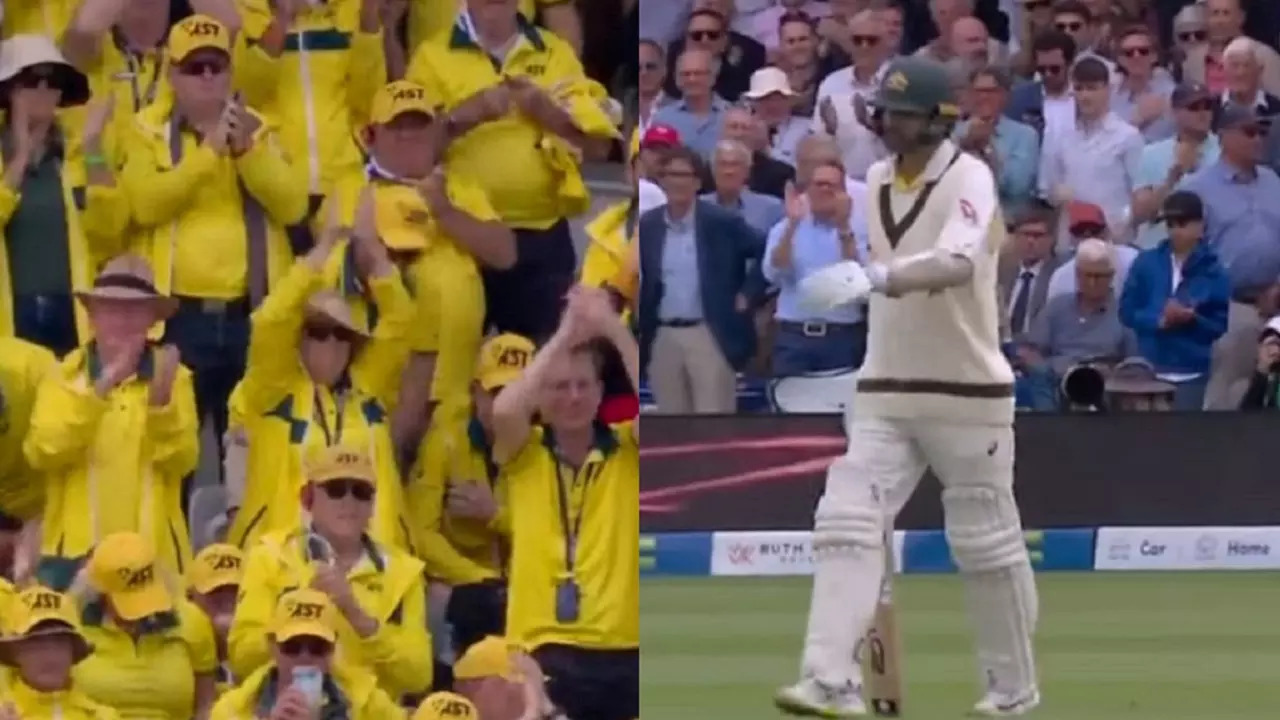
point(781, 553)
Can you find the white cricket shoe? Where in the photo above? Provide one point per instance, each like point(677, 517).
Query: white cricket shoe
point(811, 698)
point(998, 704)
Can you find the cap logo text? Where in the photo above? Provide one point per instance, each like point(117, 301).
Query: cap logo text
point(896, 81)
point(44, 601)
point(306, 611)
point(134, 579)
point(202, 29)
point(513, 357)
point(409, 94)
point(224, 562)
point(454, 708)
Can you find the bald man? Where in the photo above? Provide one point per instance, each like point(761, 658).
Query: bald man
point(768, 175)
point(970, 43)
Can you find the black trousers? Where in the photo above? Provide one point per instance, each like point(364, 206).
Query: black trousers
point(529, 298)
point(592, 684)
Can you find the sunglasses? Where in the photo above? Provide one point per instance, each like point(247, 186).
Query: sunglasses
point(704, 35)
point(312, 646)
point(339, 489)
point(1049, 70)
point(32, 78)
point(1252, 131)
point(650, 66)
point(1141, 51)
point(865, 40)
point(197, 68)
point(324, 333)
point(1179, 221)
point(1193, 36)
point(1087, 230)
point(1199, 106)
point(1069, 26)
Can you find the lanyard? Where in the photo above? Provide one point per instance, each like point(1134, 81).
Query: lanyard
point(339, 403)
point(142, 98)
point(570, 531)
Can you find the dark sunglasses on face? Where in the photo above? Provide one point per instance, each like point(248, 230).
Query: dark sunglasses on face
point(865, 40)
point(1200, 106)
point(339, 489)
point(1178, 221)
point(1142, 51)
point(36, 77)
point(325, 332)
point(704, 35)
point(1069, 26)
point(197, 68)
point(311, 646)
point(1087, 230)
point(650, 66)
point(1193, 36)
point(1049, 70)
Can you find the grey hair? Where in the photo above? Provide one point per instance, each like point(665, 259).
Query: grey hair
point(1095, 250)
point(1243, 46)
point(731, 147)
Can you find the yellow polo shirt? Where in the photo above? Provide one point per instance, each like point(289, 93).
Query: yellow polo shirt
point(41, 17)
point(152, 678)
point(428, 18)
point(530, 176)
point(604, 503)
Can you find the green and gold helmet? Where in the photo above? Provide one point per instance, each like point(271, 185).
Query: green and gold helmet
point(917, 85)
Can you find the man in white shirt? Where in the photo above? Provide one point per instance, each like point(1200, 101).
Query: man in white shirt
point(772, 98)
point(842, 93)
point(1097, 159)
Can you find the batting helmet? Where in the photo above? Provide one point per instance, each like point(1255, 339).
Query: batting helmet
point(919, 86)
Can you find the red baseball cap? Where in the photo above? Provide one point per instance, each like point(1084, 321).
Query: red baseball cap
point(1084, 213)
point(660, 136)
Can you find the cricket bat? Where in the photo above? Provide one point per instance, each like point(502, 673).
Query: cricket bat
point(881, 649)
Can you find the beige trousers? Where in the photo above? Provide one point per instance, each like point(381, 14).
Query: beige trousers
point(1235, 355)
point(689, 374)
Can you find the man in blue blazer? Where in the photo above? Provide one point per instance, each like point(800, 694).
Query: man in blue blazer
point(699, 281)
point(1053, 53)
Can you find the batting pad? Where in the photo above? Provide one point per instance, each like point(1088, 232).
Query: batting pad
point(985, 534)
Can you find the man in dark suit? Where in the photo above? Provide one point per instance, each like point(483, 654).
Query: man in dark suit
point(699, 278)
point(1244, 70)
point(1052, 54)
point(1024, 281)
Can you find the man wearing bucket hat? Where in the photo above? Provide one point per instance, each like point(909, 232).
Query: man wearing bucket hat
point(104, 471)
point(376, 589)
point(304, 678)
point(442, 232)
point(210, 191)
point(42, 642)
point(313, 362)
point(154, 652)
point(60, 215)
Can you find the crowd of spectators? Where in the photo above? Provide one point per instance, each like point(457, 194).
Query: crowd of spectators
point(1130, 140)
point(334, 237)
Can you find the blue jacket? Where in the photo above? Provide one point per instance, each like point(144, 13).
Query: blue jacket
point(1026, 103)
point(729, 253)
point(1204, 288)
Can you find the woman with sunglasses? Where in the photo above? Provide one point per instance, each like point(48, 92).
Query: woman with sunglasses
point(378, 591)
point(317, 377)
point(61, 212)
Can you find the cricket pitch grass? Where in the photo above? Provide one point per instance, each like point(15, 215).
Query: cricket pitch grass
point(1112, 646)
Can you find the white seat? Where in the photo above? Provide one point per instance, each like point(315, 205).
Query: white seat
point(207, 514)
point(829, 392)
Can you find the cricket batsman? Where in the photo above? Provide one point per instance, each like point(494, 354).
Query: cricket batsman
point(935, 391)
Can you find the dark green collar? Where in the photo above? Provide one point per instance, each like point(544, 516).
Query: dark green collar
point(93, 363)
point(461, 38)
point(604, 440)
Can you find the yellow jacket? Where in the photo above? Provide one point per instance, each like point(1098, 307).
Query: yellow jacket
point(276, 400)
point(458, 551)
point(22, 366)
point(97, 218)
point(320, 88)
point(113, 464)
point(42, 17)
point(177, 202)
point(65, 705)
point(610, 246)
point(389, 587)
point(255, 697)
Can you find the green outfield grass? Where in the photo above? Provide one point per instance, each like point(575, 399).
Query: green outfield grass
point(1113, 646)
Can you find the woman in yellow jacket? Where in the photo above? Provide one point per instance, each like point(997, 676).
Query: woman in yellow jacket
point(42, 643)
point(303, 641)
point(22, 367)
point(317, 378)
point(153, 651)
point(60, 208)
point(377, 590)
point(114, 430)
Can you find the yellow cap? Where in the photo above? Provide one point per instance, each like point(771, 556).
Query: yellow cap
point(304, 613)
point(446, 706)
point(218, 565)
point(123, 567)
point(402, 217)
point(491, 657)
point(38, 606)
point(503, 359)
point(399, 97)
point(340, 462)
point(198, 32)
